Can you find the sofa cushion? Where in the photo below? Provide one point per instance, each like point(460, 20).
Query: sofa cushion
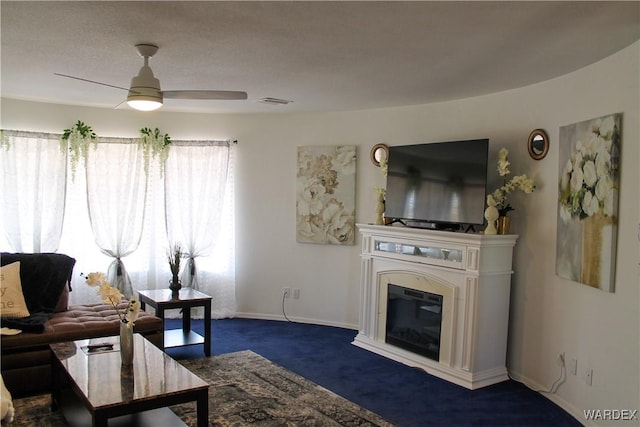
point(43, 277)
point(81, 322)
point(12, 302)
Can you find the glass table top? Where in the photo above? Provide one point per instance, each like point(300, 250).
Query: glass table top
point(103, 380)
point(185, 294)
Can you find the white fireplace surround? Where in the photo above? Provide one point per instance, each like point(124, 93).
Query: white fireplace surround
point(473, 274)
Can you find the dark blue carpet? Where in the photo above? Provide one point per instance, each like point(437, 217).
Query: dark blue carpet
point(401, 394)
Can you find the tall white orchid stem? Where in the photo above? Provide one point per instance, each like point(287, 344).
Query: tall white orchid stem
point(113, 297)
point(519, 182)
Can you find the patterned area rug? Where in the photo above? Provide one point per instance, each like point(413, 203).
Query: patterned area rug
point(246, 390)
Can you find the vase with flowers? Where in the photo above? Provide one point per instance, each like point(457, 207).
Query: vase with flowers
point(126, 313)
point(381, 192)
point(500, 195)
point(173, 257)
point(380, 206)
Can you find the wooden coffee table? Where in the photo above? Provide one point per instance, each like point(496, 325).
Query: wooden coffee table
point(92, 388)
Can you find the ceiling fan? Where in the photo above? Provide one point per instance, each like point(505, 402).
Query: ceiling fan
point(144, 93)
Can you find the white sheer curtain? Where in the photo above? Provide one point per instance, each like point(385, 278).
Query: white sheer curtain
point(116, 195)
point(32, 187)
point(198, 186)
point(119, 214)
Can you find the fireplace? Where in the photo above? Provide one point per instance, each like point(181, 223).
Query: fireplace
point(414, 320)
point(436, 300)
point(417, 314)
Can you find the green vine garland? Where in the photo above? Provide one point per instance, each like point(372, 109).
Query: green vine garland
point(77, 140)
point(155, 145)
point(4, 141)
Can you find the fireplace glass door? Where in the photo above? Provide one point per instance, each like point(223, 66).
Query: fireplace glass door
point(414, 320)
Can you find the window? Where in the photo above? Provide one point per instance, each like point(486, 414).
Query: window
point(147, 264)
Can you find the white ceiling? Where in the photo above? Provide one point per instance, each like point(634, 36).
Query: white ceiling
point(324, 56)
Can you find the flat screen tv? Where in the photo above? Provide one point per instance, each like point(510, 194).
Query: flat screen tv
point(438, 185)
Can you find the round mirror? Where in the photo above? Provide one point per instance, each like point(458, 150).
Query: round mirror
point(538, 144)
point(379, 152)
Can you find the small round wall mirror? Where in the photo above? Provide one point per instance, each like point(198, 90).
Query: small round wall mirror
point(379, 152)
point(538, 144)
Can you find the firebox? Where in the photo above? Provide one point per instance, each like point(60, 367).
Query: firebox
point(414, 320)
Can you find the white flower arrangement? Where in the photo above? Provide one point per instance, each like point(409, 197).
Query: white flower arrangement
point(518, 182)
point(384, 167)
point(382, 192)
point(112, 296)
point(587, 185)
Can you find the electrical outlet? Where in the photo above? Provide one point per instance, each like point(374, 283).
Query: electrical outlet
point(573, 366)
point(589, 376)
point(296, 293)
point(286, 292)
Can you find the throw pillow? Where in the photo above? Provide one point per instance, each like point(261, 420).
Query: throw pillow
point(12, 302)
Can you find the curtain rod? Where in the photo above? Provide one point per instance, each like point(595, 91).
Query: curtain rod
point(109, 139)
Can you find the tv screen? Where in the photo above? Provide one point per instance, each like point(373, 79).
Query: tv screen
point(438, 183)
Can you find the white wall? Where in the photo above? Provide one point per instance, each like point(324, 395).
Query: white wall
point(548, 314)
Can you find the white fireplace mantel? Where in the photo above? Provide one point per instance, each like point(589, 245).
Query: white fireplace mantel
point(472, 272)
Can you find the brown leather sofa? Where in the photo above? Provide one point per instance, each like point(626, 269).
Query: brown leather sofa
point(26, 358)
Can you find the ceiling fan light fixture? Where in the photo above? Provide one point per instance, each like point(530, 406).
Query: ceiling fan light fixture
point(144, 92)
point(144, 104)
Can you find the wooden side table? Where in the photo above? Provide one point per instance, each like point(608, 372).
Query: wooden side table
point(162, 299)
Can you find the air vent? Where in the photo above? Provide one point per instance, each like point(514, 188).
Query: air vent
point(274, 101)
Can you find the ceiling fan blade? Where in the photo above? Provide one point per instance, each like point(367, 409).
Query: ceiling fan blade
point(90, 81)
point(204, 94)
point(122, 105)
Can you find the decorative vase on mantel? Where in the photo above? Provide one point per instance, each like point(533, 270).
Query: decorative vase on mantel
point(126, 344)
point(379, 219)
point(380, 210)
point(503, 224)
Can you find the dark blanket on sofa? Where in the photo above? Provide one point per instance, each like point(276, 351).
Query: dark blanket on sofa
point(43, 278)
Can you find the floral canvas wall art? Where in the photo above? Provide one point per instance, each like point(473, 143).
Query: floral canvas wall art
point(588, 201)
point(325, 202)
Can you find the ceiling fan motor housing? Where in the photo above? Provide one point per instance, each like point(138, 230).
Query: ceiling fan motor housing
point(145, 86)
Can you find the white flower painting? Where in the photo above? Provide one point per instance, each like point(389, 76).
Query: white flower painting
point(325, 202)
point(588, 201)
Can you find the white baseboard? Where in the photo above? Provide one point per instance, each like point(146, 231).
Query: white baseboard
point(262, 316)
point(576, 413)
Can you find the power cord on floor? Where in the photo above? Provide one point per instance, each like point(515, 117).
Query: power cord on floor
point(556, 384)
point(284, 296)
